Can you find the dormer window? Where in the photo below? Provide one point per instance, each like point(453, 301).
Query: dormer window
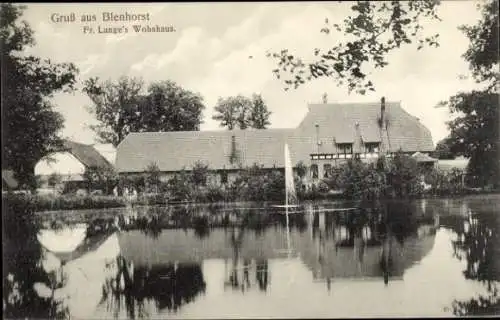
point(344, 148)
point(372, 147)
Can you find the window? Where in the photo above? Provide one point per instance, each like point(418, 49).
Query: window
point(372, 147)
point(314, 171)
point(327, 169)
point(223, 177)
point(344, 148)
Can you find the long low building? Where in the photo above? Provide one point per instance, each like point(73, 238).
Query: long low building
point(328, 135)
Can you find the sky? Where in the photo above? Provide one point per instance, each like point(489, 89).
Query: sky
point(210, 48)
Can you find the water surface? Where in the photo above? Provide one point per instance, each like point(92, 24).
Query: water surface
point(426, 258)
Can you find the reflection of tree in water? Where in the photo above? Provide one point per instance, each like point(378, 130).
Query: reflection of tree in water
point(262, 271)
point(477, 243)
point(168, 286)
point(22, 267)
point(201, 226)
point(236, 240)
point(384, 224)
point(262, 274)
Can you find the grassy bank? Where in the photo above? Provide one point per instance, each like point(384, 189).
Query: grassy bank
point(52, 203)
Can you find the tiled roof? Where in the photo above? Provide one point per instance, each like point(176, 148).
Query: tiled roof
point(86, 154)
point(173, 151)
point(337, 124)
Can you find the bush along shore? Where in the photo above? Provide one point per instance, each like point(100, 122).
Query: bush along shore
point(399, 178)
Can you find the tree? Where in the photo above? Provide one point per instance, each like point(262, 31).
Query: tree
point(403, 176)
point(443, 150)
point(474, 132)
point(199, 174)
point(30, 126)
point(259, 114)
point(23, 268)
point(372, 32)
point(152, 177)
point(54, 179)
point(232, 112)
point(482, 53)
point(99, 178)
point(242, 112)
point(122, 108)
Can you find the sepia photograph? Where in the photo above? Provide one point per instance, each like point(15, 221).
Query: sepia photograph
point(244, 160)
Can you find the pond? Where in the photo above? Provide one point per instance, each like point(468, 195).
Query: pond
point(431, 257)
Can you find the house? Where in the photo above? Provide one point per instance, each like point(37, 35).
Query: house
point(69, 164)
point(329, 135)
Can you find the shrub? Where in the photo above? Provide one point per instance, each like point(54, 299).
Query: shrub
point(99, 178)
point(179, 186)
point(67, 202)
point(152, 178)
point(403, 177)
point(199, 174)
point(445, 183)
point(215, 194)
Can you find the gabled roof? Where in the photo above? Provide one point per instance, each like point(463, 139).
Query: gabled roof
point(86, 154)
point(174, 151)
point(355, 123)
point(337, 124)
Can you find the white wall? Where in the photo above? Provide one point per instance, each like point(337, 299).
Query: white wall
point(65, 163)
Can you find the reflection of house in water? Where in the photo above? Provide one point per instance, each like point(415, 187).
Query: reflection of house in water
point(353, 245)
point(350, 244)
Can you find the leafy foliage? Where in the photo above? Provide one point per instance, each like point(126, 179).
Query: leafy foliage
point(22, 264)
point(258, 184)
point(403, 176)
point(482, 53)
point(474, 132)
point(99, 178)
point(301, 169)
point(259, 114)
point(28, 83)
point(445, 183)
point(443, 150)
point(232, 112)
point(357, 179)
point(54, 179)
point(152, 178)
point(242, 112)
point(477, 245)
point(199, 174)
point(397, 178)
point(372, 32)
point(121, 108)
point(179, 187)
